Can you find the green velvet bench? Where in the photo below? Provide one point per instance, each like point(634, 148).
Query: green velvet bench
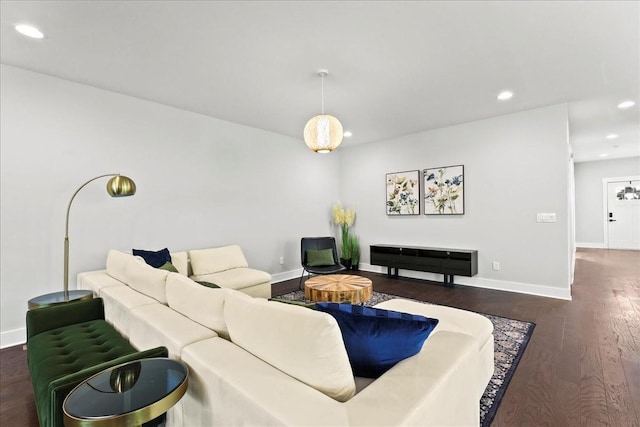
point(67, 344)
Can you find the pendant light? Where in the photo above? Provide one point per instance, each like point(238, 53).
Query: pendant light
point(323, 133)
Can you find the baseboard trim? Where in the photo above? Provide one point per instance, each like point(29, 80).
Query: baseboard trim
point(479, 282)
point(286, 275)
point(13, 338)
point(591, 245)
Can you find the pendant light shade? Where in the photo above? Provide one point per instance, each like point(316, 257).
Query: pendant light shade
point(323, 133)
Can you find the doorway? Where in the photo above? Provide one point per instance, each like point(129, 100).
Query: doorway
point(622, 212)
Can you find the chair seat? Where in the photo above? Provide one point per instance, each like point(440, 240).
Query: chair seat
point(326, 269)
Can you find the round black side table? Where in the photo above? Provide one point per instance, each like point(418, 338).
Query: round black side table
point(59, 298)
point(128, 394)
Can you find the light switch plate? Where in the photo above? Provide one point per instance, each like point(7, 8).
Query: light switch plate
point(546, 217)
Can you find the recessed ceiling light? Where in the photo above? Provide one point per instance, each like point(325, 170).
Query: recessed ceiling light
point(504, 95)
point(612, 136)
point(347, 134)
point(29, 31)
point(626, 104)
point(603, 155)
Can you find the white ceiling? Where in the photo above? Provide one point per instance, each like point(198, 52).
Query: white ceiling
point(395, 68)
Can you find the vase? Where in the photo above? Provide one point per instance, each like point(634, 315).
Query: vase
point(354, 266)
point(346, 263)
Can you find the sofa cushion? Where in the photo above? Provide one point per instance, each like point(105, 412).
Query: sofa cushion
point(455, 320)
point(303, 343)
point(199, 303)
point(180, 261)
point(451, 319)
point(146, 279)
point(135, 272)
point(97, 281)
point(237, 278)
point(214, 260)
point(154, 325)
point(377, 339)
point(229, 386)
point(117, 264)
point(154, 258)
point(118, 303)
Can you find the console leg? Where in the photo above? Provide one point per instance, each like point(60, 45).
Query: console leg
point(448, 280)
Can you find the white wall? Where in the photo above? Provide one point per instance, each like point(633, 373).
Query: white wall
point(589, 201)
point(201, 183)
point(204, 182)
point(515, 166)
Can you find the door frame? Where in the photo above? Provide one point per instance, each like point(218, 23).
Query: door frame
point(605, 202)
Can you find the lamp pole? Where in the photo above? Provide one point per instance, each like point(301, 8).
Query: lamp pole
point(118, 186)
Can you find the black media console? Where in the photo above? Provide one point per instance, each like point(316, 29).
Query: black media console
point(450, 262)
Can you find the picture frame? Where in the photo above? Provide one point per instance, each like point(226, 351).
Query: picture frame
point(444, 190)
point(403, 193)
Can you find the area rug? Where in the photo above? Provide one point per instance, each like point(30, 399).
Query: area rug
point(510, 337)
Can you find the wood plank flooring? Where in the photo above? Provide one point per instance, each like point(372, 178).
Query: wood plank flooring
point(581, 368)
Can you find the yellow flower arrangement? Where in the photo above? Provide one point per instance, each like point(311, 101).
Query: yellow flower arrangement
point(345, 219)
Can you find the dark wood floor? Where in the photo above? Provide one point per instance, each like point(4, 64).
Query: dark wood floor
point(582, 365)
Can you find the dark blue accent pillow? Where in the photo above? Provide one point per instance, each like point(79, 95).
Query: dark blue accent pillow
point(155, 259)
point(377, 339)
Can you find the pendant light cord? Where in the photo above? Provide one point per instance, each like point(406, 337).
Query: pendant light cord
point(322, 94)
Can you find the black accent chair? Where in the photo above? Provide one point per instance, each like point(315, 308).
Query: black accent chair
point(319, 243)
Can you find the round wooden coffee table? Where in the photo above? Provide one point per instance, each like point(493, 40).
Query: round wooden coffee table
point(338, 288)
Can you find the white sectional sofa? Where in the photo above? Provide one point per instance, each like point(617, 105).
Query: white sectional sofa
point(255, 362)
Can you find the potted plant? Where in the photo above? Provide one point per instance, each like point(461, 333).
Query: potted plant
point(354, 244)
point(346, 253)
point(344, 218)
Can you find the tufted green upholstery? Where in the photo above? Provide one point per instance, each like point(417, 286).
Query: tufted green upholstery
point(67, 344)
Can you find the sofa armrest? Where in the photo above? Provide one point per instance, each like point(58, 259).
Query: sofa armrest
point(436, 387)
point(48, 318)
point(61, 387)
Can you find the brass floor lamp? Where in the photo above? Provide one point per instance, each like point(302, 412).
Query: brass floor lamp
point(118, 186)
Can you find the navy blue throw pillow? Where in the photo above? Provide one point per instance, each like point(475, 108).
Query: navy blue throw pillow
point(377, 339)
point(155, 259)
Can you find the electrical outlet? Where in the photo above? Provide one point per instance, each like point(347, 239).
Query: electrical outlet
point(496, 266)
point(281, 260)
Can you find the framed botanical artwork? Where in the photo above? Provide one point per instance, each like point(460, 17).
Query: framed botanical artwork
point(444, 190)
point(403, 193)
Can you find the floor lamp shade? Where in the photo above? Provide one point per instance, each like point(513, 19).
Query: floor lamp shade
point(118, 186)
point(121, 186)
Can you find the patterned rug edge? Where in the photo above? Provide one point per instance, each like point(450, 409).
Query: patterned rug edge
point(488, 418)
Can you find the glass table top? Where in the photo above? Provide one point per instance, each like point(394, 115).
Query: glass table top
point(59, 298)
point(138, 391)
